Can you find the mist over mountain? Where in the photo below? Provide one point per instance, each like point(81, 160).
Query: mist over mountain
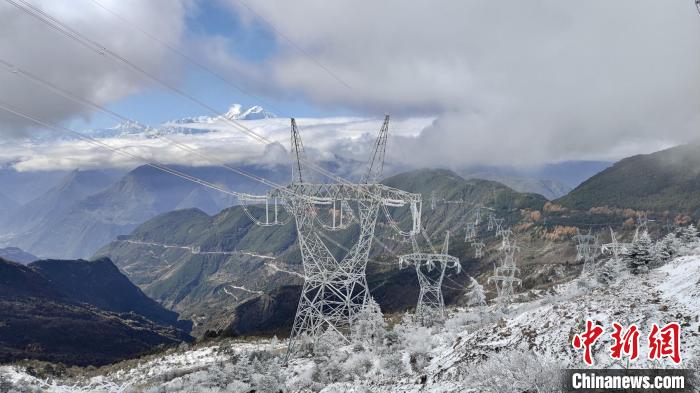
point(91, 209)
point(551, 180)
point(17, 255)
point(7, 206)
point(667, 180)
point(23, 187)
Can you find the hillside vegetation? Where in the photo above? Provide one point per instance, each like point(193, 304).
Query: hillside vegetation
point(668, 180)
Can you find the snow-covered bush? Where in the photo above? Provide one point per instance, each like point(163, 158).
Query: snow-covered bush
point(328, 343)
point(456, 322)
point(302, 379)
point(514, 371)
point(368, 326)
point(359, 364)
point(415, 338)
point(330, 370)
point(392, 364)
point(417, 341)
point(265, 383)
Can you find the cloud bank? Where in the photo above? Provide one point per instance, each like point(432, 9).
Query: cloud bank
point(511, 81)
point(31, 45)
point(507, 82)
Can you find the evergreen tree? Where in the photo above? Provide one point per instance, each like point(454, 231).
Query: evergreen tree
point(640, 255)
point(689, 235)
point(476, 295)
point(667, 248)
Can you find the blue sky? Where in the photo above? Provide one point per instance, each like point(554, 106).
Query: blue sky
point(254, 43)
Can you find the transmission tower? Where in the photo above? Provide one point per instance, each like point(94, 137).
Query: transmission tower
point(500, 230)
point(614, 247)
point(586, 250)
point(504, 274)
point(433, 200)
point(478, 249)
point(491, 225)
point(430, 268)
point(470, 232)
point(477, 221)
point(336, 288)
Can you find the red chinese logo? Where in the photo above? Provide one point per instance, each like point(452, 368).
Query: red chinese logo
point(627, 343)
point(664, 342)
point(587, 339)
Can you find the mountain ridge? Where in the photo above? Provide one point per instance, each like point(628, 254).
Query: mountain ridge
point(667, 180)
point(173, 257)
point(47, 314)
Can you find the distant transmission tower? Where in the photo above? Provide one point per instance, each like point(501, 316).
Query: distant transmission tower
point(478, 249)
point(433, 200)
point(430, 268)
point(470, 232)
point(504, 275)
point(491, 225)
point(586, 250)
point(334, 289)
point(614, 247)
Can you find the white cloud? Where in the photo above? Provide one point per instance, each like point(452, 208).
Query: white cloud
point(350, 138)
point(33, 46)
point(512, 81)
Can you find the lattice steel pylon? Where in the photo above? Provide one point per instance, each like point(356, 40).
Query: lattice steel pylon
point(614, 247)
point(478, 249)
point(335, 289)
point(433, 200)
point(470, 232)
point(504, 274)
point(491, 224)
point(498, 225)
point(430, 268)
point(586, 250)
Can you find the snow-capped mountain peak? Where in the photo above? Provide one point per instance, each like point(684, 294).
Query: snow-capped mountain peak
point(255, 112)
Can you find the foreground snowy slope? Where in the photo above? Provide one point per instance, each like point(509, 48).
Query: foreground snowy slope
point(481, 351)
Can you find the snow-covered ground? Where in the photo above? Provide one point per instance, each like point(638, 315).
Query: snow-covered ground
point(473, 351)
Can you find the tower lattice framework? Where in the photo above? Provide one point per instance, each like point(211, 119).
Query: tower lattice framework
point(335, 288)
point(586, 250)
point(504, 276)
point(430, 268)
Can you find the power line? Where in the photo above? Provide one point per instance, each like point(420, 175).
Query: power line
point(183, 55)
point(28, 75)
point(8, 108)
point(102, 50)
point(294, 44)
